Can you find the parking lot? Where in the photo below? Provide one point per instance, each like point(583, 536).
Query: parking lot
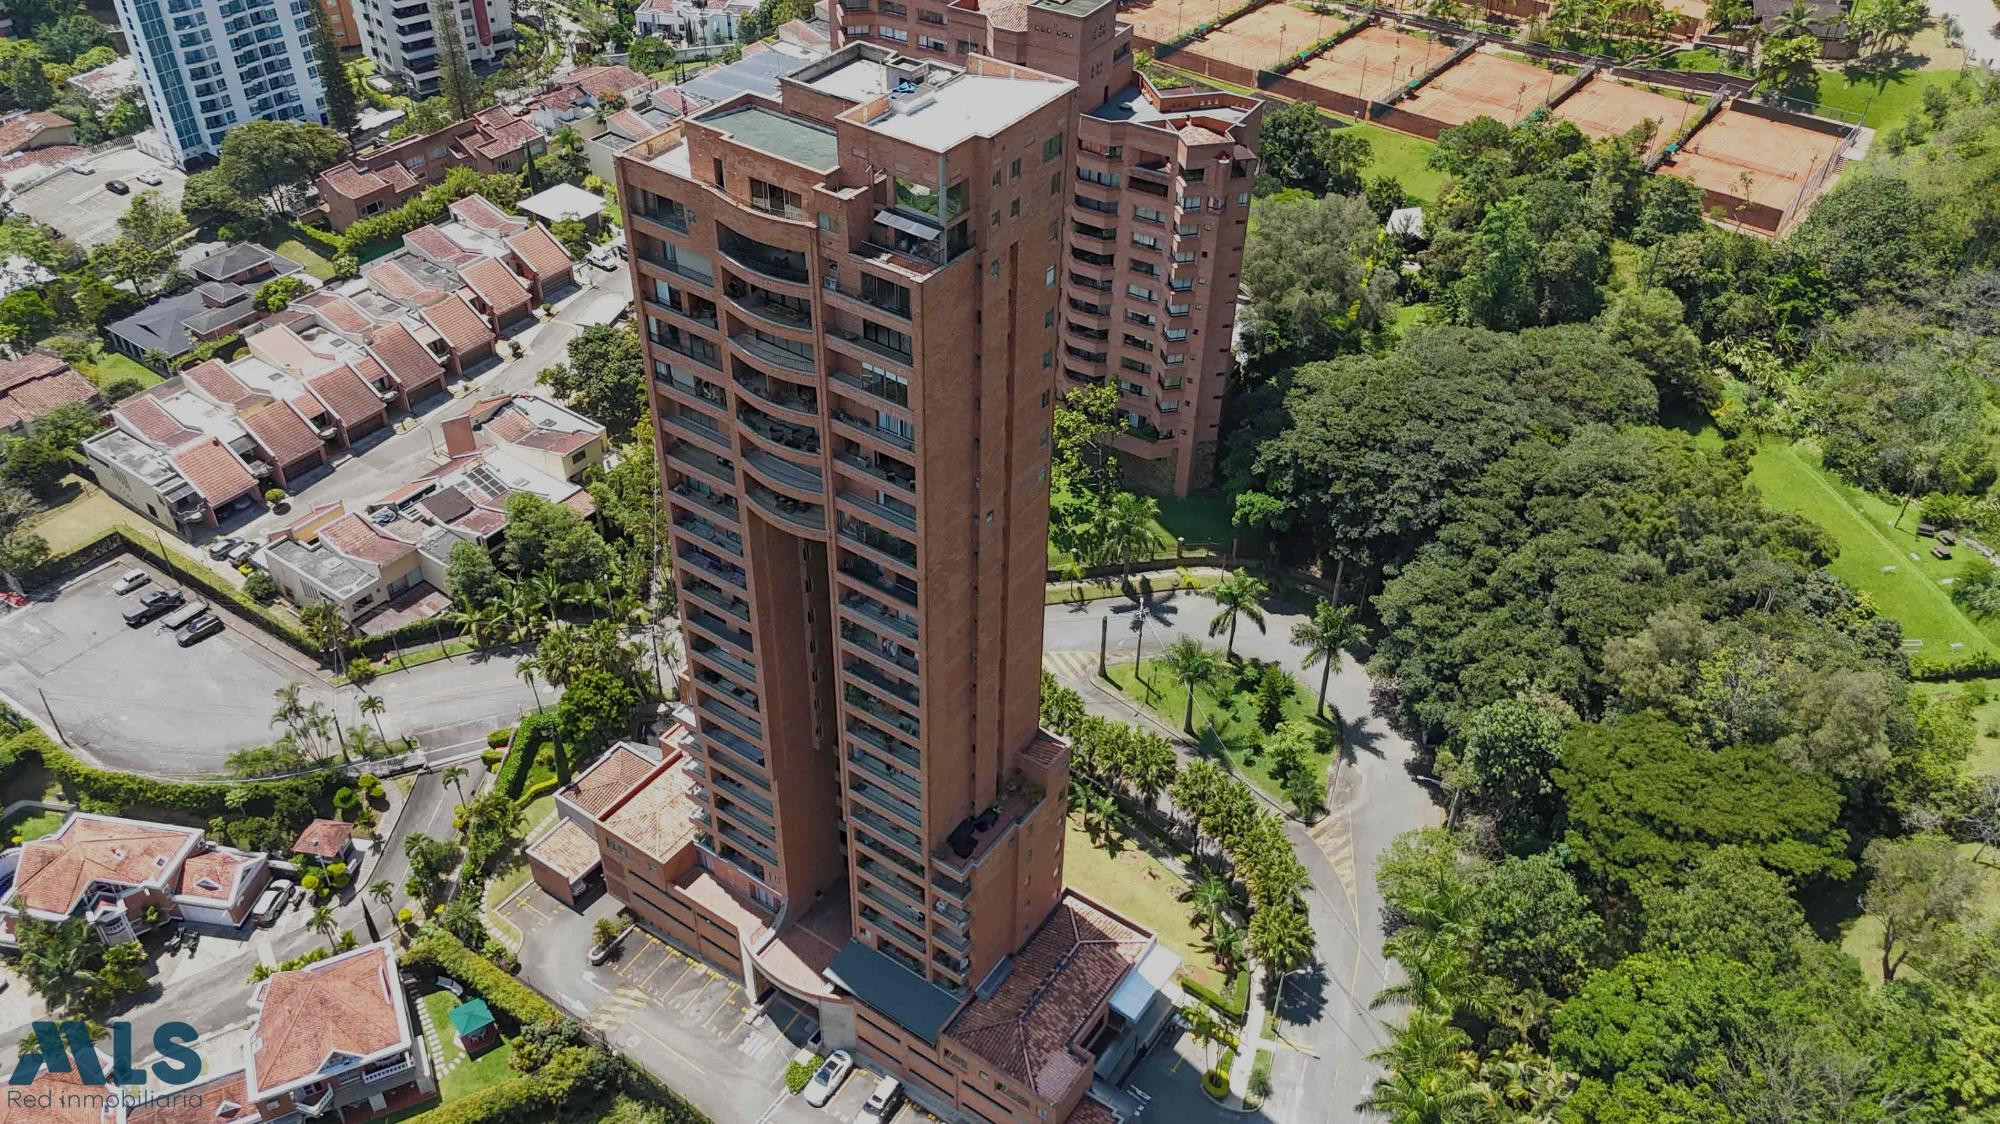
point(81, 206)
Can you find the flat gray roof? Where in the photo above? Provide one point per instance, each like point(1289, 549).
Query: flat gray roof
point(781, 135)
point(914, 1003)
point(758, 73)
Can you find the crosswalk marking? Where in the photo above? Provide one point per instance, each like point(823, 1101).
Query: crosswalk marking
point(1071, 665)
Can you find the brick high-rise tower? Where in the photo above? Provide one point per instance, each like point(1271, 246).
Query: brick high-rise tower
point(851, 297)
point(1153, 249)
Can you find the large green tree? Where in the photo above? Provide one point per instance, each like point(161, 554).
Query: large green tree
point(604, 376)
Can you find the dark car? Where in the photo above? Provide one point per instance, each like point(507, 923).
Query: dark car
point(198, 630)
point(117, 187)
point(153, 604)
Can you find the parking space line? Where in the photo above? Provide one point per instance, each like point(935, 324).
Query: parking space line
point(727, 994)
point(683, 978)
point(786, 1030)
point(665, 961)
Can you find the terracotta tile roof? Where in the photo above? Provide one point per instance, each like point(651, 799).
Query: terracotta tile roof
point(603, 82)
point(27, 397)
point(338, 311)
point(568, 850)
point(152, 422)
point(608, 779)
point(56, 869)
point(280, 432)
point(351, 399)
point(324, 839)
point(309, 408)
point(204, 1103)
point(1046, 750)
point(630, 125)
point(539, 251)
point(350, 1004)
point(503, 292)
point(34, 365)
point(220, 384)
point(406, 359)
point(66, 1106)
point(580, 502)
point(1195, 134)
point(1028, 1026)
point(394, 281)
point(438, 246)
point(506, 139)
point(44, 157)
point(214, 471)
point(482, 522)
point(460, 324)
point(357, 538)
point(507, 424)
point(655, 816)
point(212, 875)
point(19, 132)
point(350, 181)
point(475, 211)
point(1090, 1110)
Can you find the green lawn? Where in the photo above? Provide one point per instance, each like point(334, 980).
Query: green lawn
point(1882, 101)
point(287, 242)
point(1403, 156)
point(1225, 724)
point(1985, 758)
point(84, 517)
point(108, 366)
point(1203, 519)
point(1139, 886)
point(29, 825)
point(468, 1076)
point(1890, 564)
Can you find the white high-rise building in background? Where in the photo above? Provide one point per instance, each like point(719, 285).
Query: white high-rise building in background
point(399, 36)
point(207, 66)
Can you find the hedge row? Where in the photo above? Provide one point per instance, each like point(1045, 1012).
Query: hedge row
point(437, 952)
point(534, 729)
point(1941, 669)
point(125, 790)
point(427, 206)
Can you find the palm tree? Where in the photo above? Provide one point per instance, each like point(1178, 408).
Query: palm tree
point(1205, 1028)
point(1192, 665)
point(522, 612)
point(1225, 943)
point(324, 922)
point(525, 671)
point(454, 775)
point(373, 704)
point(1096, 809)
point(1426, 1078)
point(382, 891)
point(290, 710)
point(550, 595)
point(1211, 898)
point(1795, 21)
point(1331, 629)
point(1125, 530)
point(1237, 596)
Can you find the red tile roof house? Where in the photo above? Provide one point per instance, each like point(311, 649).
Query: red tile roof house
point(283, 440)
point(154, 460)
point(112, 871)
point(65, 1098)
point(495, 140)
point(36, 383)
point(335, 1036)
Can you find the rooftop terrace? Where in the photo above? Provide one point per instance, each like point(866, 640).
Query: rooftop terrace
point(779, 134)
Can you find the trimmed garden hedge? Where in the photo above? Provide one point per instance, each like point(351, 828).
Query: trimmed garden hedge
point(124, 790)
point(1942, 669)
point(436, 952)
point(535, 729)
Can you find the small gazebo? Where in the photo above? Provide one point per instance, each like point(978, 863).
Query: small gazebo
point(473, 1023)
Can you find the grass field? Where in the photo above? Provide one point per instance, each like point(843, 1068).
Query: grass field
point(467, 1075)
point(1405, 157)
point(88, 514)
point(285, 241)
point(1225, 723)
point(1883, 103)
point(1863, 939)
point(1985, 758)
point(106, 367)
point(29, 825)
point(1139, 886)
point(1889, 563)
point(1203, 519)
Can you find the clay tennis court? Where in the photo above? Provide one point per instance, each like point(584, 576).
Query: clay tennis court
point(1606, 108)
point(1261, 38)
point(1747, 157)
point(1484, 84)
point(1372, 62)
point(1161, 20)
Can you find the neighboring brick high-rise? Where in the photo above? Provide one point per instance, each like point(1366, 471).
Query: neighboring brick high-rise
point(851, 297)
point(1157, 216)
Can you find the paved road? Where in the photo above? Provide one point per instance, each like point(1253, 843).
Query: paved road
point(1979, 21)
point(1324, 1007)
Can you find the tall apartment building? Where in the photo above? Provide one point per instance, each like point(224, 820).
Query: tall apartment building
point(1154, 241)
point(852, 296)
point(343, 21)
point(207, 66)
point(402, 39)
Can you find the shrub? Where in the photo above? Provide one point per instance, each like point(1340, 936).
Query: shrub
point(529, 736)
point(369, 784)
point(344, 799)
point(261, 588)
point(1215, 1083)
point(123, 791)
point(498, 738)
point(435, 952)
point(800, 1074)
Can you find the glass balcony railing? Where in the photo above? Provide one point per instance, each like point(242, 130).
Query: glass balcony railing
point(797, 513)
point(895, 748)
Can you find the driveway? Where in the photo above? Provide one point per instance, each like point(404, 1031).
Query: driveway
point(130, 699)
point(1324, 1007)
point(689, 1025)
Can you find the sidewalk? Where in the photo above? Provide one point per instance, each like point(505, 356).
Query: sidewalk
point(1248, 1044)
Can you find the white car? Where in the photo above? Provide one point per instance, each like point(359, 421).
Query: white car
point(150, 179)
point(604, 257)
point(882, 1103)
point(243, 552)
point(220, 548)
point(129, 581)
point(826, 1081)
point(271, 902)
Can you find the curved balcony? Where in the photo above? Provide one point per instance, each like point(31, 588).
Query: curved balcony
point(771, 263)
point(784, 476)
point(685, 457)
point(698, 426)
point(786, 440)
point(768, 306)
point(691, 391)
point(714, 505)
point(797, 514)
point(797, 402)
point(768, 351)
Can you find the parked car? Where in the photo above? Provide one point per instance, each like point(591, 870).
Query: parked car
point(129, 581)
point(826, 1081)
point(271, 902)
point(882, 1103)
point(198, 630)
point(604, 257)
point(117, 187)
point(154, 604)
point(243, 552)
point(185, 615)
point(150, 179)
point(220, 548)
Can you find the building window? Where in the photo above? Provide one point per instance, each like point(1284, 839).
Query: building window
point(1014, 209)
point(1052, 148)
point(1049, 276)
point(1014, 170)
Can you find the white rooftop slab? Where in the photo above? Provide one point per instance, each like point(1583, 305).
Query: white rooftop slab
point(941, 117)
point(859, 80)
point(563, 202)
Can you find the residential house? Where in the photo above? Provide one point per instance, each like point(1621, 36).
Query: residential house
point(494, 140)
point(378, 575)
point(66, 1098)
point(31, 129)
point(183, 461)
point(620, 130)
point(335, 1035)
point(693, 21)
point(219, 304)
point(329, 841)
point(118, 873)
point(36, 383)
point(541, 433)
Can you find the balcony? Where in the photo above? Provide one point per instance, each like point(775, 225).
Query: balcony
point(719, 658)
point(952, 888)
point(772, 308)
point(709, 564)
point(728, 541)
point(722, 713)
point(769, 350)
point(880, 872)
point(896, 475)
point(772, 262)
point(739, 791)
point(798, 438)
point(900, 909)
point(888, 744)
point(692, 314)
point(717, 506)
point(802, 402)
point(715, 597)
point(869, 428)
point(870, 576)
point(877, 294)
point(881, 825)
point(663, 212)
point(719, 628)
point(697, 426)
point(951, 939)
point(881, 542)
point(749, 843)
point(693, 347)
point(750, 756)
point(889, 929)
point(888, 776)
point(882, 648)
point(809, 517)
point(698, 391)
point(872, 611)
point(684, 270)
point(904, 516)
point(886, 343)
point(887, 800)
point(784, 473)
point(882, 681)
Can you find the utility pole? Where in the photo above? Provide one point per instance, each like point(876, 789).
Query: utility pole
point(50, 711)
point(1103, 644)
